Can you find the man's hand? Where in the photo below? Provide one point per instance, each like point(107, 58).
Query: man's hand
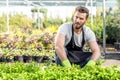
point(66, 63)
point(91, 63)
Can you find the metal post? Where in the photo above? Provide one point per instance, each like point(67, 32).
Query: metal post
point(38, 12)
point(38, 18)
point(8, 28)
point(104, 28)
point(91, 13)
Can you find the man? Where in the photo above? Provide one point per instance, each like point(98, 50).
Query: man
point(71, 38)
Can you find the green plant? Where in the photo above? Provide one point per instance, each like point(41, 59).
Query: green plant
point(113, 28)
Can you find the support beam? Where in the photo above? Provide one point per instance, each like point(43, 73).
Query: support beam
point(104, 28)
point(8, 28)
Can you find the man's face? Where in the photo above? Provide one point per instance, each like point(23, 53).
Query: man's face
point(79, 19)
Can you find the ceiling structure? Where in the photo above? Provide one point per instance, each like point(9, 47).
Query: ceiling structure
point(56, 2)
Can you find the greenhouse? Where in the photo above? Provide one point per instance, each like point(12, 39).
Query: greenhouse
point(31, 35)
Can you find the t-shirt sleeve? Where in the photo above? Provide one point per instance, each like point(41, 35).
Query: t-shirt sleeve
point(90, 35)
point(62, 29)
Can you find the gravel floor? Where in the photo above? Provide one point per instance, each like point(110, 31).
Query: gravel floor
point(110, 62)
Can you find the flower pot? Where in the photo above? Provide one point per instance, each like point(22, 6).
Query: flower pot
point(27, 59)
point(8, 59)
point(45, 58)
point(18, 58)
point(38, 59)
point(2, 59)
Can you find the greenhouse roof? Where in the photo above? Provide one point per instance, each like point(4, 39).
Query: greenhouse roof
point(56, 2)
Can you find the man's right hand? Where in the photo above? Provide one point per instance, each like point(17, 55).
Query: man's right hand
point(66, 63)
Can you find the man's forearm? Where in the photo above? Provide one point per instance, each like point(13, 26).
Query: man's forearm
point(95, 56)
point(61, 53)
point(95, 51)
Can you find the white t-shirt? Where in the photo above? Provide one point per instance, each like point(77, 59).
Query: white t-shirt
point(66, 29)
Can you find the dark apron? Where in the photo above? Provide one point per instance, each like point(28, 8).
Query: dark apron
point(75, 53)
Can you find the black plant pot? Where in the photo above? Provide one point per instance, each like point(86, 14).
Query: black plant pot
point(38, 59)
point(8, 59)
point(34, 58)
point(27, 59)
point(45, 58)
point(18, 58)
point(2, 59)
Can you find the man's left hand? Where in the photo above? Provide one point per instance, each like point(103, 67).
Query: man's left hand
point(91, 63)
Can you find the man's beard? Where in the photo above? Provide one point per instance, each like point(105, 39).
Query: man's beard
point(78, 26)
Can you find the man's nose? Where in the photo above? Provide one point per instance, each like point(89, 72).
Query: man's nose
point(77, 20)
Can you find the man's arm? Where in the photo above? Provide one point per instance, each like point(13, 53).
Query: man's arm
point(59, 46)
point(95, 50)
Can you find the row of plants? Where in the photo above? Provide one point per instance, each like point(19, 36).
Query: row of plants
point(21, 55)
point(34, 52)
point(22, 40)
point(35, 71)
point(24, 59)
point(28, 37)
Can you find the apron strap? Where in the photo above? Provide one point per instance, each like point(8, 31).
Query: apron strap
point(83, 38)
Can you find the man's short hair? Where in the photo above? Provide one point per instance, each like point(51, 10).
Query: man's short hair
point(82, 10)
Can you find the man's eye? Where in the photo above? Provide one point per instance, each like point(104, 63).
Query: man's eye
point(76, 17)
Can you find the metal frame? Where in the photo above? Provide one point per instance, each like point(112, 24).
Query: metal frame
point(54, 2)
